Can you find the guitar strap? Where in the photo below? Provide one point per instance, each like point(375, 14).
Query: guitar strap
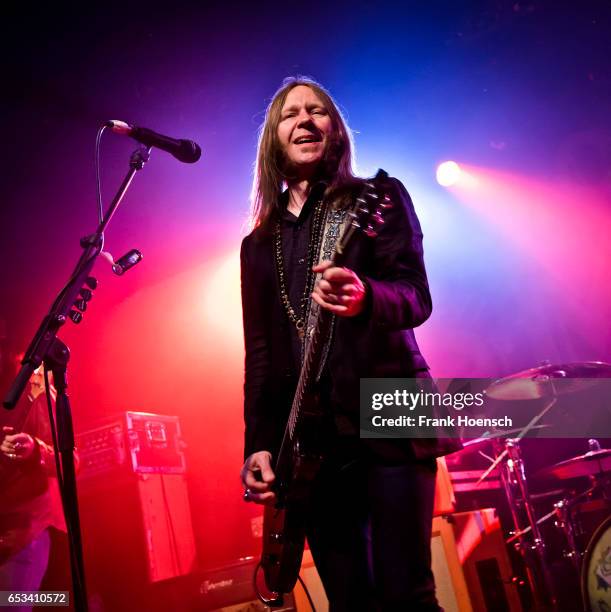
point(333, 227)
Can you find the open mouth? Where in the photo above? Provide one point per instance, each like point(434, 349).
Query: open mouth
point(306, 140)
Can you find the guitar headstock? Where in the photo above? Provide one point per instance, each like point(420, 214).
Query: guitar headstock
point(367, 213)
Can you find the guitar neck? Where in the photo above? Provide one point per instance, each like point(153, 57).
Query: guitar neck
point(366, 209)
point(312, 358)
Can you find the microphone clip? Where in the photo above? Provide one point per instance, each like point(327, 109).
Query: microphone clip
point(125, 263)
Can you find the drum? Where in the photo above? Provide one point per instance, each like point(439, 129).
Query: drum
point(596, 571)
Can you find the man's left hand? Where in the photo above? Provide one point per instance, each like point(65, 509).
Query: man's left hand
point(339, 290)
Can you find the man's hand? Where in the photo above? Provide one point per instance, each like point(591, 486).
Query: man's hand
point(257, 478)
point(16, 446)
point(339, 290)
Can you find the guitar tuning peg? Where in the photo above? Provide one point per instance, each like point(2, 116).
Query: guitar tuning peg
point(370, 231)
point(386, 202)
point(91, 282)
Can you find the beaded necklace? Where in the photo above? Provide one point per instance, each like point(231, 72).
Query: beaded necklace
point(298, 320)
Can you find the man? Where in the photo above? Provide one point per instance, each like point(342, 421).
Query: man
point(31, 504)
point(369, 522)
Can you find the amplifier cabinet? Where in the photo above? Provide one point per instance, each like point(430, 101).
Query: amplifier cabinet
point(139, 442)
point(451, 587)
point(474, 540)
point(136, 532)
point(445, 501)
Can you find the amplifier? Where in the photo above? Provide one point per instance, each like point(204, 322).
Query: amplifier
point(225, 589)
point(230, 588)
point(466, 481)
point(474, 563)
point(445, 500)
point(466, 467)
point(132, 442)
point(137, 532)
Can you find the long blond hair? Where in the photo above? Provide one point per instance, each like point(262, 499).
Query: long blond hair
point(270, 175)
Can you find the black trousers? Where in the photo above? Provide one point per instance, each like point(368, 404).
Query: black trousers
point(370, 532)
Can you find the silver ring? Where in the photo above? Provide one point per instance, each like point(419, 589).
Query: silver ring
point(247, 495)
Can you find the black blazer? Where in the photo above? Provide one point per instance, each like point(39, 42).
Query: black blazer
point(380, 342)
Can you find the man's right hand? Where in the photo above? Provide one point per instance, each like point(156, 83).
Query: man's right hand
point(257, 477)
point(17, 446)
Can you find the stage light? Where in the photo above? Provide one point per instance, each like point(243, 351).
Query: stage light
point(448, 173)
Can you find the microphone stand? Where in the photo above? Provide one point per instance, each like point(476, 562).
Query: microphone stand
point(48, 348)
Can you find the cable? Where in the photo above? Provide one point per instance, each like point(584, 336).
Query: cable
point(100, 208)
point(98, 180)
point(168, 514)
point(307, 593)
point(275, 600)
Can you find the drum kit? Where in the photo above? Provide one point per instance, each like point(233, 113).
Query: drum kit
point(581, 519)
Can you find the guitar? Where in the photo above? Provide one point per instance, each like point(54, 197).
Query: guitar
point(301, 454)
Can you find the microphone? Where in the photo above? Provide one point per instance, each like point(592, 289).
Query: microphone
point(185, 151)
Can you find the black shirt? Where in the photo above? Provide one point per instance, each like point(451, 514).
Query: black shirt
point(296, 235)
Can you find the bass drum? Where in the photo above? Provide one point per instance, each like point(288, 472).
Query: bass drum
point(596, 571)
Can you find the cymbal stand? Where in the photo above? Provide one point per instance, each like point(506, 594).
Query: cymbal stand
point(531, 547)
point(564, 510)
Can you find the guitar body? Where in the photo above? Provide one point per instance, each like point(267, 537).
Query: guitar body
point(284, 524)
point(283, 542)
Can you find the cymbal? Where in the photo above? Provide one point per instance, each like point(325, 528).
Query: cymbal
point(493, 435)
point(537, 383)
point(593, 462)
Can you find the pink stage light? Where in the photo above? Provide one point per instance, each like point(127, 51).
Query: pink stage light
point(561, 229)
point(448, 173)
